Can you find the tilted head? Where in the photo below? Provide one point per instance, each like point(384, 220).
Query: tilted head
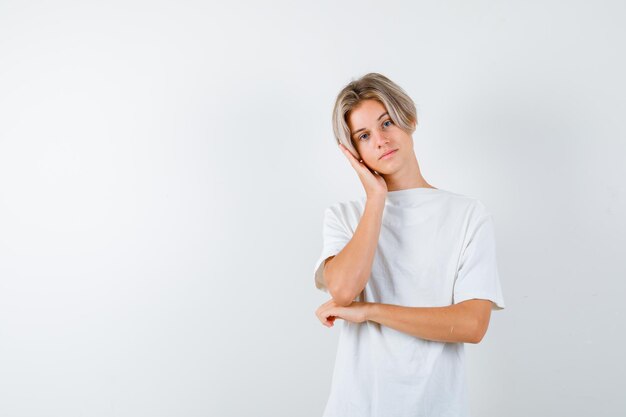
point(358, 125)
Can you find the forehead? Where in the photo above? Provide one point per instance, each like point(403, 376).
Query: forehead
point(365, 114)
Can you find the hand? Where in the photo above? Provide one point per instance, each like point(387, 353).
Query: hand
point(374, 183)
point(357, 312)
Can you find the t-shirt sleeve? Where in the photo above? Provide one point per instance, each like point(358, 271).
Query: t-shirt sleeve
point(477, 276)
point(335, 237)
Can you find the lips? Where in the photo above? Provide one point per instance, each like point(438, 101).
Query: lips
point(387, 153)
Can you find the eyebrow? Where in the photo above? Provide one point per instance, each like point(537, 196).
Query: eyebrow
point(379, 117)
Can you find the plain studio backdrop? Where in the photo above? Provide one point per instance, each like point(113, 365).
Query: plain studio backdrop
point(164, 168)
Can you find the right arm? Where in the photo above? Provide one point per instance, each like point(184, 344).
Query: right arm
point(346, 273)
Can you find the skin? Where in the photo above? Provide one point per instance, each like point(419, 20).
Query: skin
point(373, 136)
point(401, 170)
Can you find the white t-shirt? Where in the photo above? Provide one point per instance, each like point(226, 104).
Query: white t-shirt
point(435, 248)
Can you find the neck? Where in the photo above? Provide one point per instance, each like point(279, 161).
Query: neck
point(409, 176)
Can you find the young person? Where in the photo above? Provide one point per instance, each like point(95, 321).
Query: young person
point(411, 269)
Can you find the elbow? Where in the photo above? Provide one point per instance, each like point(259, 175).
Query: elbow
point(344, 301)
point(341, 297)
point(478, 333)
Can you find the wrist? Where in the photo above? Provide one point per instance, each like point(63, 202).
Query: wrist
point(377, 200)
point(370, 311)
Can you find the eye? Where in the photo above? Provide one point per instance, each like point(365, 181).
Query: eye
point(390, 122)
point(361, 137)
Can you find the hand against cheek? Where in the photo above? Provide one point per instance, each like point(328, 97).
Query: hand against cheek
point(329, 311)
point(373, 182)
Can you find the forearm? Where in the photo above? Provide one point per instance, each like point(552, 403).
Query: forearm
point(442, 324)
point(347, 273)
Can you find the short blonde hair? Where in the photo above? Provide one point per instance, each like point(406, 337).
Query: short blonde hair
point(374, 86)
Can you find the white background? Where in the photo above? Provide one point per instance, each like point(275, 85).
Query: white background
point(164, 167)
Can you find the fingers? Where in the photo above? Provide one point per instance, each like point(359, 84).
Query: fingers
point(348, 154)
point(323, 306)
point(325, 314)
point(357, 164)
point(326, 319)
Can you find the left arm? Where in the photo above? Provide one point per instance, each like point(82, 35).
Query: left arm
point(465, 322)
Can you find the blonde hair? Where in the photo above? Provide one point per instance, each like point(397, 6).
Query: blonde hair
point(374, 86)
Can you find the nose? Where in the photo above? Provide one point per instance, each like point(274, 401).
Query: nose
point(381, 139)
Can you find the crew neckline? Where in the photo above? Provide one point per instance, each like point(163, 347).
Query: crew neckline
point(397, 196)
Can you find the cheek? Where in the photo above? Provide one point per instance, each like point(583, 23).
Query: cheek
point(369, 156)
point(372, 161)
point(362, 153)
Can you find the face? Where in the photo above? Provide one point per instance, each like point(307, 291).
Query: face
point(374, 134)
